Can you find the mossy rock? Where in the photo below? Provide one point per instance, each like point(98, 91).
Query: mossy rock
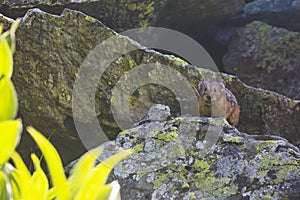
point(50, 51)
point(266, 57)
point(237, 166)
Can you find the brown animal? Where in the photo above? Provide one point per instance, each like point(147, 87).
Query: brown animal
point(217, 101)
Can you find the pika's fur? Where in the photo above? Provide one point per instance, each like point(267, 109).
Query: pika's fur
point(217, 101)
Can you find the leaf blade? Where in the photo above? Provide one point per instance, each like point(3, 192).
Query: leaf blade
point(54, 164)
point(10, 132)
point(6, 59)
point(8, 100)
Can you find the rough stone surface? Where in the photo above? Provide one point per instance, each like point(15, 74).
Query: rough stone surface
point(266, 57)
point(259, 6)
point(200, 15)
point(204, 158)
point(276, 12)
point(126, 14)
point(51, 49)
point(119, 15)
point(157, 112)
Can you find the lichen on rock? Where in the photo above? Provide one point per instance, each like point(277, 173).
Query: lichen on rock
point(267, 57)
point(51, 49)
point(237, 166)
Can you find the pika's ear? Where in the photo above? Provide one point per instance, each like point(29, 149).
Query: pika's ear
point(202, 87)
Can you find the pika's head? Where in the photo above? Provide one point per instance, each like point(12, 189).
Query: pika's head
point(211, 90)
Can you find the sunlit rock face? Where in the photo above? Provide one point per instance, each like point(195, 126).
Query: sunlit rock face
point(202, 158)
point(50, 50)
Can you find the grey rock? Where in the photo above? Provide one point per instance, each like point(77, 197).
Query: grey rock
point(279, 13)
point(264, 6)
point(157, 112)
point(237, 166)
point(266, 57)
point(50, 51)
point(127, 14)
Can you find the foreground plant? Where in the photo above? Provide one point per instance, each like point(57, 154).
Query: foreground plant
point(86, 181)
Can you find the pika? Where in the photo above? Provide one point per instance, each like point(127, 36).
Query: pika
point(214, 100)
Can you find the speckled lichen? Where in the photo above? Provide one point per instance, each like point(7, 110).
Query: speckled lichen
point(161, 178)
point(131, 63)
point(263, 145)
point(214, 186)
point(280, 167)
point(237, 164)
point(270, 48)
point(90, 19)
point(168, 136)
point(132, 100)
point(124, 133)
point(137, 14)
point(178, 60)
point(234, 139)
point(219, 122)
point(228, 79)
point(138, 148)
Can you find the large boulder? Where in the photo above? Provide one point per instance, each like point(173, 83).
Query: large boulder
point(119, 15)
point(266, 57)
point(51, 49)
point(202, 158)
point(202, 16)
point(199, 19)
point(126, 14)
point(275, 12)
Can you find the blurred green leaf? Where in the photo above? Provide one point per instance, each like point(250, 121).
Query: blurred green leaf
point(6, 59)
point(9, 138)
point(82, 168)
point(8, 100)
point(16, 190)
point(103, 192)
point(4, 195)
point(21, 176)
point(51, 194)
point(54, 164)
point(38, 182)
point(97, 176)
point(20, 165)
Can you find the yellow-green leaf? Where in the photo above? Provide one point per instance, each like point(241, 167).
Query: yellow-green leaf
point(9, 137)
point(4, 194)
point(8, 99)
point(97, 177)
point(82, 168)
point(6, 59)
point(38, 182)
point(54, 164)
point(20, 165)
point(21, 176)
point(103, 192)
point(51, 194)
point(13, 178)
point(15, 185)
